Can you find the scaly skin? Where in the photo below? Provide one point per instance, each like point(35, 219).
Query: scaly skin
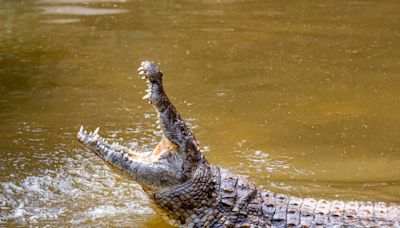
point(190, 192)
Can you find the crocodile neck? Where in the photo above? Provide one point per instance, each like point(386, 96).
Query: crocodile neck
point(215, 197)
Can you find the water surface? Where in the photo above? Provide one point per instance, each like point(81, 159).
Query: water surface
point(301, 97)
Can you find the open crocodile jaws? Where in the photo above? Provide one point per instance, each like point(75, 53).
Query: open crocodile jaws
point(190, 192)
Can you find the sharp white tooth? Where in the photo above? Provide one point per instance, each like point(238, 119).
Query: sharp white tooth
point(140, 68)
point(143, 77)
point(81, 130)
point(147, 96)
point(117, 143)
point(90, 133)
point(141, 72)
point(96, 131)
point(85, 132)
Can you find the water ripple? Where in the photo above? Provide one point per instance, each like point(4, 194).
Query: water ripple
point(102, 196)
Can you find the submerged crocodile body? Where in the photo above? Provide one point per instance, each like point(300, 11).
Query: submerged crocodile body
point(190, 192)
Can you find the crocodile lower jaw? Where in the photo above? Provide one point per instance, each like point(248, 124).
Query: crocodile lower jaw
point(101, 147)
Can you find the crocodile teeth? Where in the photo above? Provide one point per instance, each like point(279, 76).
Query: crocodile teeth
point(140, 68)
point(96, 131)
point(141, 72)
point(147, 96)
point(81, 129)
point(148, 90)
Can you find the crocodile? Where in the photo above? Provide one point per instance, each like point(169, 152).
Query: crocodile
point(188, 191)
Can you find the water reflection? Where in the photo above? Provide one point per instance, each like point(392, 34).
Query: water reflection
point(62, 21)
point(79, 1)
point(80, 10)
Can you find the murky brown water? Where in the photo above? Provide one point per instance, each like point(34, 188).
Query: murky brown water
point(301, 96)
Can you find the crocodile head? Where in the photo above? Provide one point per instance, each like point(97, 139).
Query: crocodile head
point(174, 158)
